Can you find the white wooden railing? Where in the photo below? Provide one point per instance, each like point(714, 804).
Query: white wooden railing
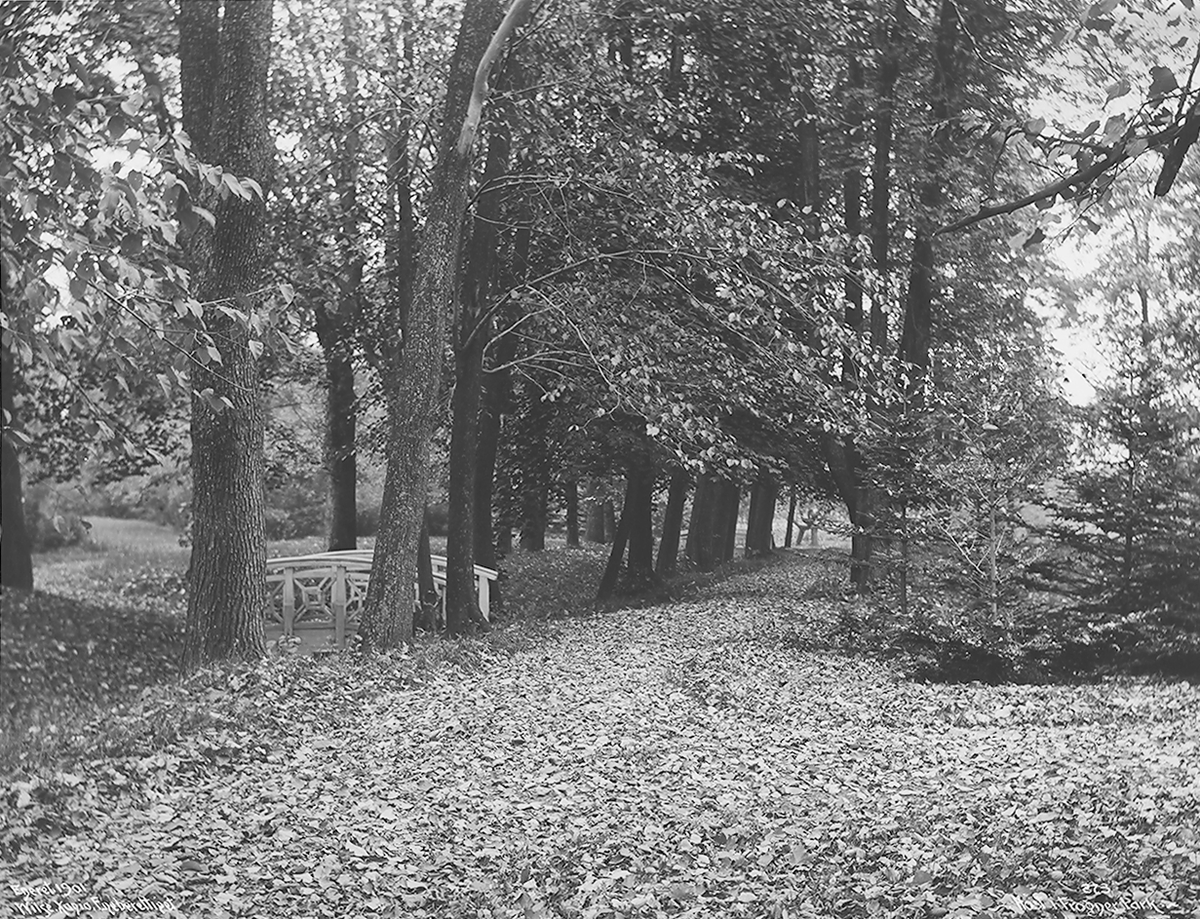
point(324, 592)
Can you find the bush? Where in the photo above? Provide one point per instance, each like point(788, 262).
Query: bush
point(53, 518)
point(367, 521)
point(439, 519)
point(295, 509)
point(1049, 643)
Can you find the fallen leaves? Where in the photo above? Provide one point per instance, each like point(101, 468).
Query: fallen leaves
point(665, 761)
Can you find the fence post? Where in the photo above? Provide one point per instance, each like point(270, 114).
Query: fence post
point(338, 602)
point(289, 602)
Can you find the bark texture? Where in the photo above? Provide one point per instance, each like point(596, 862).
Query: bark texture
point(760, 525)
point(226, 578)
point(668, 547)
point(636, 531)
point(412, 376)
point(16, 548)
point(473, 333)
point(713, 526)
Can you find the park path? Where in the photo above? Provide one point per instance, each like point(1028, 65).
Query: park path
point(674, 761)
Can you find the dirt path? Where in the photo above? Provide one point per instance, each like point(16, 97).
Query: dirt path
point(677, 761)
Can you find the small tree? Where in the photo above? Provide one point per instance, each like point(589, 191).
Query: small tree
point(1132, 514)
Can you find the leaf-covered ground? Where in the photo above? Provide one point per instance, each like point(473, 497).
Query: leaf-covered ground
point(679, 760)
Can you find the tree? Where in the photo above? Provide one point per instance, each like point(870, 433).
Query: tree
point(473, 332)
point(224, 59)
point(16, 560)
point(336, 325)
point(125, 316)
point(413, 373)
point(1148, 45)
point(1130, 517)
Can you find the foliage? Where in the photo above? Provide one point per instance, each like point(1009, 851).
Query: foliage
point(53, 518)
point(1129, 517)
point(96, 298)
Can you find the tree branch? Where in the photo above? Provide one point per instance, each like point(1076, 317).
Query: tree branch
point(1179, 137)
point(479, 91)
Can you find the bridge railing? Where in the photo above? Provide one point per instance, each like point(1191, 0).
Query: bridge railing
point(319, 597)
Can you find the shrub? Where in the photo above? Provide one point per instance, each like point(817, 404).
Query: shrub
point(367, 521)
point(295, 510)
point(53, 518)
point(439, 519)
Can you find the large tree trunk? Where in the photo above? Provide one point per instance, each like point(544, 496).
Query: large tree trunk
point(918, 307)
point(760, 524)
point(698, 548)
point(16, 547)
point(639, 503)
point(335, 327)
point(412, 378)
point(881, 168)
point(227, 575)
point(474, 331)
point(635, 507)
point(712, 531)
point(668, 548)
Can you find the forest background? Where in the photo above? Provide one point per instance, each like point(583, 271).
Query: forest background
point(683, 254)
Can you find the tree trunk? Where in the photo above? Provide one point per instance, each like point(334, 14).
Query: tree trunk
point(612, 571)
point(226, 578)
point(726, 534)
point(474, 332)
point(700, 526)
point(668, 548)
point(639, 505)
point(504, 539)
point(571, 499)
point(791, 518)
point(335, 327)
point(881, 169)
point(760, 538)
point(412, 377)
point(594, 527)
point(485, 476)
point(535, 500)
point(496, 399)
point(399, 222)
point(16, 547)
point(427, 593)
point(918, 307)
point(712, 532)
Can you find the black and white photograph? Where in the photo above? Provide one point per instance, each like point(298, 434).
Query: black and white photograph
point(600, 459)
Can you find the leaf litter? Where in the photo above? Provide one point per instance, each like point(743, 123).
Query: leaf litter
point(663, 761)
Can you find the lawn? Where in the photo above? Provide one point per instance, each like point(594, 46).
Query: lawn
point(723, 751)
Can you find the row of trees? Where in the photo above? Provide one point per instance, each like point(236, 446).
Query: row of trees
point(706, 250)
